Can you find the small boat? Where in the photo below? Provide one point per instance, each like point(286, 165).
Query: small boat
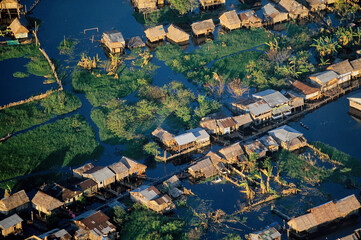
point(217, 180)
point(304, 126)
point(6, 137)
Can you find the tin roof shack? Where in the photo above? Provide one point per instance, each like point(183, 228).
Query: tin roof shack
point(203, 169)
point(177, 35)
point(295, 9)
point(326, 80)
point(243, 120)
point(79, 172)
point(152, 198)
point(54, 234)
point(127, 167)
point(272, 15)
point(11, 225)
point(296, 101)
point(232, 154)
point(135, 42)
point(266, 234)
point(163, 136)
point(355, 106)
point(18, 30)
point(210, 126)
point(250, 19)
point(288, 138)
point(46, 204)
point(183, 142)
point(316, 5)
point(14, 203)
point(202, 137)
point(276, 100)
point(230, 20)
point(103, 176)
point(88, 187)
point(97, 226)
point(344, 71)
point(210, 3)
point(259, 109)
point(114, 41)
point(203, 27)
point(356, 68)
point(306, 91)
point(269, 143)
point(226, 125)
point(323, 216)
point(145, 5)
point(155, 34)
point(255, 149)
point(173, 186)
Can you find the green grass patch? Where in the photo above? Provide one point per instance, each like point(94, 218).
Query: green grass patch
point(20, 75)
point(226, 44)
point(37, 112)
point(145, 224)
point(100, 88)
point(348, 161)
point(294, 166)
point(67, 142)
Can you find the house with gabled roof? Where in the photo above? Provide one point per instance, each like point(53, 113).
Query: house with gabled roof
point(344, 71)
point(114, 41)
point(322, 216)
point(88, 186)
point(232, 154)
point(356, 68)
point(288, 138)
point(275, 100)
point(230, 20)
point(97, 227)
point(273, 15)
point(103, 176)
point(203, 27)
point(78, 172)
point(127, 167)
point(45, 203)
point(259, 110)
point(155, 34)
point(249, 19)
point(325, 80)
point(294, 8)
point(306, 91)
point(269, 142)
point(177, 35)
point(18, 30)
point(255, 148)
point(11, 225)
point(152, 198)
point(163, 136)
point(14, 203)
point(316, 5)
point(203, 169)
point(210, 125)
point(243, 120)
point(226, 125)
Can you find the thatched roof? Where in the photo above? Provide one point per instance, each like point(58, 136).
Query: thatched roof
point(86, 184)
point(205, 166)
point(126, 166)
point(155, 33)
point(341, 68)
point(17, 28)
point(293, 6)
point(325, 213)
point(324, 77)
point(136, 42)
point(255, 147)
point(83, 169)
point(214, 157)
point(44, 201)
point(210, 124)
point(203, 26)
point(230, 19)
point(10, 4)
point(232, 151)
point(249, 15)
point(15, 200)
point(114, 36)
point(356, 64)
point(162, 135)
point(176, 34)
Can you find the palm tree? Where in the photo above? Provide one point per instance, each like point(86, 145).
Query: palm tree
point(261, 184)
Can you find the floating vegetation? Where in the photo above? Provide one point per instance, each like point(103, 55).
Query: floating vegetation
point(20, 75)
point(66, 47)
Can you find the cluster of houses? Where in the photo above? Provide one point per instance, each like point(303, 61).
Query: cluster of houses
point(214, 163)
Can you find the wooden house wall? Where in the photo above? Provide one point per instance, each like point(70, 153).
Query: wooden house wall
point(21, 35)
point(11, 229)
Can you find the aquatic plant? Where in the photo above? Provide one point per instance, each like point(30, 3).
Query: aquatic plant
point(20, 75)
point(67, 46)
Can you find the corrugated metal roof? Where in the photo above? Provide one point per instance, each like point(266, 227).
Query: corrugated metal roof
point(200, 134)
point(325, 76)
point(356, 64)
point(304, 88)
point(259, 107)
point(185, 138)
point(281, 109)
point(285, 133)
point(272, 97)
point(115, 36)
point(103, 174)
point(10, 221)
point(226, 123)
point(268, 140)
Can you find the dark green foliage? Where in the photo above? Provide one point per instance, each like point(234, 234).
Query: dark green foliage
point(30, 114)
point(184, 6)
point(294, 166)
point(151, 148)
point(143, 224)
point(67, 46)
point(66, 142)
point(102, 88)
point(39, 66)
